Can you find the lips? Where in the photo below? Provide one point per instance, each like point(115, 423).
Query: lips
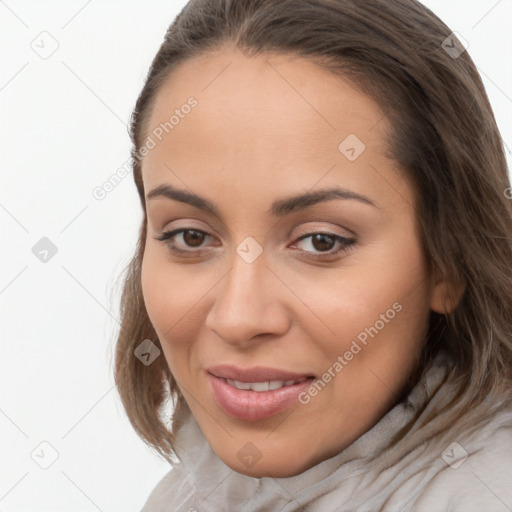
point(263, 386)
point(254, 394)
point(254, 374)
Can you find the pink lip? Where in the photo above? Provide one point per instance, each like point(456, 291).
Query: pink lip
point(256, 405)
point(254, 374)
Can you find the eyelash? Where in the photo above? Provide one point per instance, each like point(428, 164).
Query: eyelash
point(346, 243)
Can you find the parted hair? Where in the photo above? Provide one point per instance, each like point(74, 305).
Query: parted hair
point(444, 139)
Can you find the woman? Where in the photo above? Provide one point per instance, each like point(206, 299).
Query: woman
point(322, 281)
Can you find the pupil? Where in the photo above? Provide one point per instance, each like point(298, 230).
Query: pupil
point(195, 239)
point(323, 239)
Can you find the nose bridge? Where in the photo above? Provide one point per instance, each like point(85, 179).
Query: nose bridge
point(245, 303)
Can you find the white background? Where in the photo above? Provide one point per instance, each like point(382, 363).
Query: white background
point(63, 133)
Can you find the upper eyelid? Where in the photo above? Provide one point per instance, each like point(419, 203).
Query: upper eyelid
point(348, 233)
point(179, 231)
point(306, 232)
point(346, 244)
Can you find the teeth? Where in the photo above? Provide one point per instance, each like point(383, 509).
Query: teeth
point(263, 386)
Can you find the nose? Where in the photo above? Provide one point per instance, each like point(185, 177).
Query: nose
point(249, 303)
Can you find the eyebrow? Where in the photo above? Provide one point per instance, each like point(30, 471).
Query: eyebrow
point(279, 208)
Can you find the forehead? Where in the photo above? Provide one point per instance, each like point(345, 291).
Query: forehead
point(261, 118)
point(230, 84)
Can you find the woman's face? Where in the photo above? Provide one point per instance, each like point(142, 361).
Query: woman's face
point(269, 277)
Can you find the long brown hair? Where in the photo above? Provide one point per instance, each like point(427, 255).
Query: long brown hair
point(445, 139)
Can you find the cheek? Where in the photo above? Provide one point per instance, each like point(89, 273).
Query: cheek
point(166, 297)
point(156, 285)
point(379, 312)
point(389, 313)
point(174, 302)
point(372, 322)
point(380, 294)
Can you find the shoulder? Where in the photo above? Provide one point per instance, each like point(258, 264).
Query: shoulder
point(472, 474)
point(173, 487)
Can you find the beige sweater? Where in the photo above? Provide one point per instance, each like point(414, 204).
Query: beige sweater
point(383, 470)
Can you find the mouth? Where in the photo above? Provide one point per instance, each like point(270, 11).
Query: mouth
point(255, 393)
point(255, 374)
point(269, 385)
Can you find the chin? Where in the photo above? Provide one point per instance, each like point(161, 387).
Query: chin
point(277, 468)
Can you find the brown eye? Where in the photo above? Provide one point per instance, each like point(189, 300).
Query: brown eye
point(186, 242)
point(322, 242)
point(324, 245)
point(193, 238)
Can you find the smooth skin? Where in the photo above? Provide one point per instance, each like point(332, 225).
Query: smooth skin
point(266, 128)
